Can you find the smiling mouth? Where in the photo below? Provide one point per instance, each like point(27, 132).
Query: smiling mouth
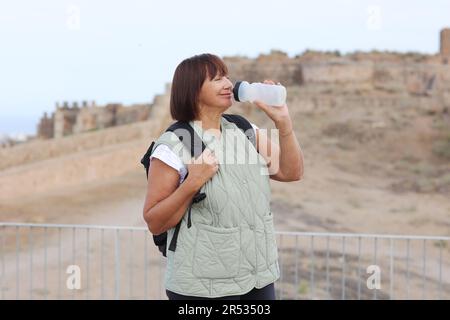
point(228, 95)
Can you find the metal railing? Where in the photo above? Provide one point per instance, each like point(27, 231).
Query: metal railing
point(57, 261)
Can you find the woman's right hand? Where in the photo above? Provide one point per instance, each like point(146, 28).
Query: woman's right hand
point(203, 168)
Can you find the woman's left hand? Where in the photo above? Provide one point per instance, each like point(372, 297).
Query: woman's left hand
point(278, 114)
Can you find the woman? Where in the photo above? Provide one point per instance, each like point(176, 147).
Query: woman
point(228, 249)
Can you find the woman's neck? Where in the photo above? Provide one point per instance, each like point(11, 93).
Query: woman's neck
point(209, 121)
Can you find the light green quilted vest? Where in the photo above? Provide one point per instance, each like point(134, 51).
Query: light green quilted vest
point(230, 247)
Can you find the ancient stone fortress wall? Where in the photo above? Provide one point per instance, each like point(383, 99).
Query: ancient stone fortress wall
point(324, 74)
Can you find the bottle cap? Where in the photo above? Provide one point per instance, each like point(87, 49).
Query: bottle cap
point(236, 90)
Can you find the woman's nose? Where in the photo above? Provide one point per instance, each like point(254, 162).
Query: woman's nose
point(228, 84)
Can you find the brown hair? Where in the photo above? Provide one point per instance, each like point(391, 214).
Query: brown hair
point(187, 82)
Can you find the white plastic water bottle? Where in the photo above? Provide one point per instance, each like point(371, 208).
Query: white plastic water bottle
point(272, 95)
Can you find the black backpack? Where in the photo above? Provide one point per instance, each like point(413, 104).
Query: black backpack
point(196, 146)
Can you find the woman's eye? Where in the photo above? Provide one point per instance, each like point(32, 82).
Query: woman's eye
point(220, 78)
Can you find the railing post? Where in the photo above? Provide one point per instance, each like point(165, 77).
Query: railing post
point(296, 267)
point(145, 266)
point(281, 268)
point(59, 263)
point(2, 253)
point(117, 264)
point(359, 268)
point(407, 267)
point(328, 266)
point(30, 243)
point(102, 264)
point(130, 266)
point(424, 270)
point(312, 268)
point(343, 268)
point(391, 276)
point(17, 262)
point(45, 264)
point(87, 264)
point(440, 269)
point(375, 263)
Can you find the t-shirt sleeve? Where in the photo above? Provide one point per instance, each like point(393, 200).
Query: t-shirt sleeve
point(163, 153)
point(254, 126)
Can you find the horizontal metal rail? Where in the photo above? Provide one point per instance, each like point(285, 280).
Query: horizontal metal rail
point(40, 261)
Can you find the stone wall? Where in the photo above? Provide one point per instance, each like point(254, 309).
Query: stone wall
point(67, 120)
point(405, 74)
point(374, 72)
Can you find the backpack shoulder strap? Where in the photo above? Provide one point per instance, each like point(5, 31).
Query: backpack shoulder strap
point(146, 158)
point(242, 124)
point(194, 143)
point(188, 136)
point(184, 132)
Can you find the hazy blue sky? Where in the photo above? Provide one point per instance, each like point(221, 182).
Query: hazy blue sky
point(125, 51)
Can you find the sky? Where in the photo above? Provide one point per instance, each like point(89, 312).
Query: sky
point(126, 51)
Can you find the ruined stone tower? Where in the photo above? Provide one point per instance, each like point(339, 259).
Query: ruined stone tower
point(45, 127)
point(445, 43)
point(64, 119)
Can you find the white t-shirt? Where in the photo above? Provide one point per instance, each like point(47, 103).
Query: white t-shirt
point(163, 153)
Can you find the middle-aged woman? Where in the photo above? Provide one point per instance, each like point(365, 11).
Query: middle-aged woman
point(228, 249)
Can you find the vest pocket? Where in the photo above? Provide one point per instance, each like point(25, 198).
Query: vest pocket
point(271, 245)
point(217, 252)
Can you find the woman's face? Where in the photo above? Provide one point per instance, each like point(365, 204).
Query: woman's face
point(216, 92)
